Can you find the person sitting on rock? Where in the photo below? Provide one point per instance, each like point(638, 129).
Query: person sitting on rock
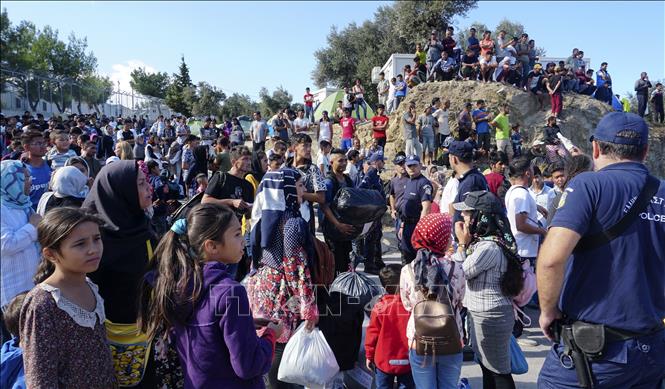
point(444, 69)
point(488, 66)
point(469, 65)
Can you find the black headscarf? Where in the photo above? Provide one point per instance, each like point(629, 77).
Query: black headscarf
point(114, 198)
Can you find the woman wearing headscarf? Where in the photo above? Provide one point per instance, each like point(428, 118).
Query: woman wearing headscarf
point(119, 196)
point(200, 165)
point(20, 254)
point(280, 236)
point(488, 253)
point(432, 275)
point(67, 184)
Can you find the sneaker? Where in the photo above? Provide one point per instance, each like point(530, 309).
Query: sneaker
point(527, 342)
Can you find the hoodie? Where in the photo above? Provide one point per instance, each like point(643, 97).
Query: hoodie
point(218, 345)
point(386, 344)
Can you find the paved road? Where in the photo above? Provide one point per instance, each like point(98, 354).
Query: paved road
point(535, 354)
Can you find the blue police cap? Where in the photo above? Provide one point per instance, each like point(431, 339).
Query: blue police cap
point(461, 149)
point(412, 160)
point(613, 123)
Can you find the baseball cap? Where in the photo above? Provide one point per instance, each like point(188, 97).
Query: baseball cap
point(613, 123)
point(480, 200)
point(376, 157)
point(461, 149)
point(412, 160)
point(399, 159)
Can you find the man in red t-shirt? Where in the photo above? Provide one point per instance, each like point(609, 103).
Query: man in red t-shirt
point(348, 125)
point(496, 179)
point(309, 105)
point(379, 125)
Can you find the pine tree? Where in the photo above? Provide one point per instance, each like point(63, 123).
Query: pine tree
point(176, 97)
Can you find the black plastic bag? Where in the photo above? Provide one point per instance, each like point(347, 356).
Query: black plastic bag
point(358, 206)
point(332, 233)
point(356, 285)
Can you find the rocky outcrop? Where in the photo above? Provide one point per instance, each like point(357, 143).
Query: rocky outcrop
point(578, 119)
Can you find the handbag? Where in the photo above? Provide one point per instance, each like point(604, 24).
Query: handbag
point(130, 350)
point(324, 267)
point(518, 363)
point(435, 325)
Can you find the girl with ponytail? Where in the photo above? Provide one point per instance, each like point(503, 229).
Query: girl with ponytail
point(62, 319)
point(188, 290)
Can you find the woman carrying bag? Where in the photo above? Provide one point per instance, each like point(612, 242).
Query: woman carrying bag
point(493, 271)
point(433, 276)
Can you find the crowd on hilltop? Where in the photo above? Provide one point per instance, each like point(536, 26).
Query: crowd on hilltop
point(141, 253)
point(511, 61)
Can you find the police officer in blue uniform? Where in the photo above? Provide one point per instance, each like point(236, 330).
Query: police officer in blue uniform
point(601, 270)
point(372, 241)
point(415, 204)
point(460, 155)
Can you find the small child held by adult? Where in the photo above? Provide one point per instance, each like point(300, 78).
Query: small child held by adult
point(188, 289)
point(62, 319)
point(386, 347)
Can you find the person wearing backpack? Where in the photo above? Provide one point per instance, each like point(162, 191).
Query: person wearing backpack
point(433, 278)
point(488, 252)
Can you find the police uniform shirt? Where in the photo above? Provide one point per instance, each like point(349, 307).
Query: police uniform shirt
point(397, 187)
point(470, 181)
point(417, 190)
point(620, 284)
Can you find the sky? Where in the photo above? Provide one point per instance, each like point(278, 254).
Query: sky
point(243, 46)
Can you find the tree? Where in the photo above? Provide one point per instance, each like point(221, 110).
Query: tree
point(271, 104)
point(208, 101)
point(180, 95)
point(516, 29)
point(237, 105)
point(149, 84)
point(96, 91)
point(417, 19)
point(355, 50)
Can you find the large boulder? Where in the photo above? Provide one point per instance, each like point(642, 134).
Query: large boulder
point(578, 119)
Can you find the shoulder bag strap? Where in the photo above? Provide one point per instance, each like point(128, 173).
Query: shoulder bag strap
point(604, 237)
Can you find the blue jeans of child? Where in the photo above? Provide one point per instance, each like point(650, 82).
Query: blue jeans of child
point(385, 380)
point(440, 372)
point(346, 144)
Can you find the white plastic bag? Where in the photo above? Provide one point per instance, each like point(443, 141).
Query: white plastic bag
point(307, 359)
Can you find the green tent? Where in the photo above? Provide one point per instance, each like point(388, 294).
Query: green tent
point(330, 104)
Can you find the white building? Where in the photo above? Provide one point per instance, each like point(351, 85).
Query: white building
point(392, 67)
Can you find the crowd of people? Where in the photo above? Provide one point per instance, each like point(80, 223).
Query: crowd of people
point(136, 253)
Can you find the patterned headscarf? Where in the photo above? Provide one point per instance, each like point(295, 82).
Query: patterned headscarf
point(12, 192)
point(431, 236)
point(433, 232)
point(494, 227)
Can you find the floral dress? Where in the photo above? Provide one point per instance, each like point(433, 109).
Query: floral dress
point(286, 293)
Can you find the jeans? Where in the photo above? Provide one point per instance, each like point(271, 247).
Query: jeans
point(413, 147)
point(309, 113)
point(440, 372)
point(396, 101)
point(346, 144)
point(386, 381)
point(360, 103)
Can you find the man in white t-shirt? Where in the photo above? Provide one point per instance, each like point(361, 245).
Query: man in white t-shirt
point(301, 123)
point(543, 194)
point(522, 209)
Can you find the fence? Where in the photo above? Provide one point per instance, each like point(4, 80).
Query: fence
point(49, 95)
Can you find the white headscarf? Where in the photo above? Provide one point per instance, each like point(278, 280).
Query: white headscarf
point(68, 181)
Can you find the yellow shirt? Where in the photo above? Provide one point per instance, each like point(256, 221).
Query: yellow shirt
point(502, 126)
point(423, 57)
